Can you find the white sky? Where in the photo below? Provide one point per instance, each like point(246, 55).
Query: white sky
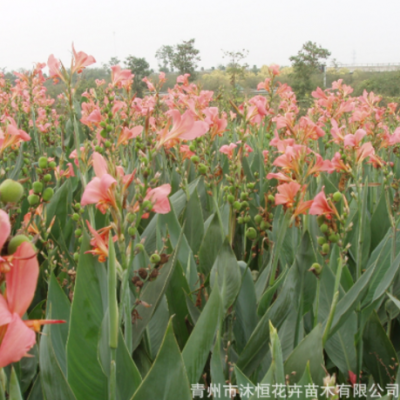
point(272, 31)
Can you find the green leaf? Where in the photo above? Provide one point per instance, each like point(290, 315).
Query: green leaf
point(277, 358)
point(58, 307)
point(53, 380)
point(88, 307)
point(194, 225)
point(15, 391)
point(380, 222)
point(36, 391)
point(128, 376)
point(199, 344)
point(309, 351)
point(226, 273)
point(152, 294)
point(211, 244)
point(217, 369)
point(245, 309)
point(379, 355)
point(167, 379)
point(266, 298)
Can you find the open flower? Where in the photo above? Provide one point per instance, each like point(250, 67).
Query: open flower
point(81, 61)
point(320, 205)
point(99, 241)
point(99, 190)
point(228, 149)
point(159, 198)
point(287, 194)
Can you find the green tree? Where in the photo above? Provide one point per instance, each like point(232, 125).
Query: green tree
point(165, 56)
point(235, 69)
point(140, 68)
point(306, 63)
point(185, 58)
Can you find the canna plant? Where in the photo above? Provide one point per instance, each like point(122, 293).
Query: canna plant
point(195, 250)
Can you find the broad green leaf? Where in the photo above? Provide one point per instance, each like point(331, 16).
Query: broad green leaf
point(15, 391)
point(88, 307)
point(309, 351)
point(277, 358)
point(152, 294)
point(36, 391)
point(211, 244)
point(26, 369)
point(379, 354)
point(380, 222)
point(199, 344)
point(245, 309)
point(127, 374)
point(225, 272)
point(58, 307)
point(217, 369)
point(167, 378)
point(52, 377)
point(194, 225)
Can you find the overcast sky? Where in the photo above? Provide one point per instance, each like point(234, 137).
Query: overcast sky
point(364, 31)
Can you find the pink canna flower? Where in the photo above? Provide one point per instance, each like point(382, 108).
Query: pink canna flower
point(183, 127)
point(150, 86)
point(366, 150)
point(121, 77)
point(128, 134)
point(217, 125)
point(99, 241)
point(186, 152)
point(338, 164)
point(354, 140)
point(228, 149)
point(16, 335)
point(99, 190)
point(264, 85)
point(81, 61)
point(265, 155)
point(287, 194)
point(274, 69)
point(54, 68)
point(159, 197)
point(320, 205)
point(320, 165)
point(12, 136)
point(279, 177)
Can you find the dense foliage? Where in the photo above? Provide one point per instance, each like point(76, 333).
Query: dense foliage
point(176, 244)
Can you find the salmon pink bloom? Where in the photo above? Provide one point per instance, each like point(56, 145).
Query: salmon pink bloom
point(320, 165)
point(159, 198)
point(320, 205)
point(67, 173)
point(338, 164)
point(81, 61)
point(367, 150)
point(217, 125)
point(265, 155)
point(99, 190)
point(183, 127)
point(287, 194)
point(354, 140)
point(185, 151)
point(161, 78)
point(274, 69)
point(264, 85)
point(12, 136)
point(228, 149)
point(336, 132)
point(54, 68)
point(121, 77)
point(279, 177)
point(16, 337)
point(128, 134)
point(150, 86)
point(99, 242)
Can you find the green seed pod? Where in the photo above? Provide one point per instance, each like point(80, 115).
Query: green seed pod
point(202, 169)
point(103, 133)
point(337, 196)
point(26, 161)
point(130, 217)
point(47, 178)
point(33, 199)
point(77, 206)
point(192, 147)
point(25, 170)
point(251, 185)
point(52, 164)
point(78, 232)
point(231, 199)
point(15, 243)
point(264, 225)
point(240, 220)
point(237, 205)
point(251, 233)
point(247, 219)
point(131, 231)
point(324, 228)
point(321, 220)
point(76, 256)
point(245, 204)
point(39, 171)
point(75, 217)
point(11, 191)
point(271, 198)
point(155, 258)
point(107, 144)
point(325, 248)
point(243, 196)
point(321, 240)
point(195, 159)
point(37, 187)
point(258, 219)
point(334, 238)
point(97, 148)
point(48, 194)
point(139, 248)
point(42, 162)
point(147, 204)
point(316, 269)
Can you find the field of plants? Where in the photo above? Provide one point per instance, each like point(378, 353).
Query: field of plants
point(184, 245)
